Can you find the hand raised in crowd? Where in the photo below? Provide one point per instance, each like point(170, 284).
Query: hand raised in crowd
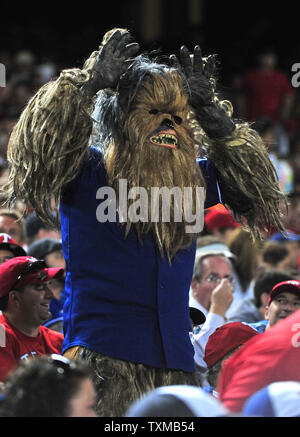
point(222, 297)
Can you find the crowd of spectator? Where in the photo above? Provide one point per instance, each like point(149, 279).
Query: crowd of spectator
point(232, 287)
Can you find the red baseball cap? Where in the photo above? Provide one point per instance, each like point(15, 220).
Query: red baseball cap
point(219, 218)
point(225, 339)
point(7, 242)
point(23, 270)
point(291, 286)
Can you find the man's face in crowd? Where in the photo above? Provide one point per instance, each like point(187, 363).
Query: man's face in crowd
point(34, 302)
point(282, 306)
point(9, 226)
point(215, 268)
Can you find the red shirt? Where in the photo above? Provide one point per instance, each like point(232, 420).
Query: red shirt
point(265, 91)
point(15, 346)
point(269, 357)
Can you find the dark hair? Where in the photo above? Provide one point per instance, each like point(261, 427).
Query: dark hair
point(214, 371)
point(42, 387)
point(33, 224)
point(265, 281)
point(274, 252)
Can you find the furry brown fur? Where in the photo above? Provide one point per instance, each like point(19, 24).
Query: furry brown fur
point(146, 165)
point(42, 142)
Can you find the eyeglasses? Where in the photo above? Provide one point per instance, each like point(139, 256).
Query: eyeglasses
point(213, 277)
point(32, 267)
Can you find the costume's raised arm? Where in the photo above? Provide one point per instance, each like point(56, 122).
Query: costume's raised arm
point(50, 142)
point(247, 178)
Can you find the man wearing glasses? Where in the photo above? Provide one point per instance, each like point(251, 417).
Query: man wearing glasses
point(212, 293)
point(25, 298)
point(212, 283)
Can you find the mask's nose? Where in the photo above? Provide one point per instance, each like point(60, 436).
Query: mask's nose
point(167, 123)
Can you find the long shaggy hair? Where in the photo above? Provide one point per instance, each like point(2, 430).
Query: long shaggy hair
point(49, 144)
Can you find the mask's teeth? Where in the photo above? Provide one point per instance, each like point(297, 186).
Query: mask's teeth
point(168, 137)
point(165, 139)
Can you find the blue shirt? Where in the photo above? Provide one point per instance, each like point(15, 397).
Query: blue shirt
point(258, 326)
point(123, 299)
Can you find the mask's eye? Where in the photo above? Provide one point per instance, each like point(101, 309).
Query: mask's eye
point(178, 120)
point(153, 111)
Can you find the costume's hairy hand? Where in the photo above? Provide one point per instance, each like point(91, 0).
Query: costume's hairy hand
point(198, 76)
point(213, 119)
point(108, 64)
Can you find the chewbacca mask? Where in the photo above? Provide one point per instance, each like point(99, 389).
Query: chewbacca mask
point(147, 139)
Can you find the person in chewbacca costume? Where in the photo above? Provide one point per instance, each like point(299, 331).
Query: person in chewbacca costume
point(128, 117)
